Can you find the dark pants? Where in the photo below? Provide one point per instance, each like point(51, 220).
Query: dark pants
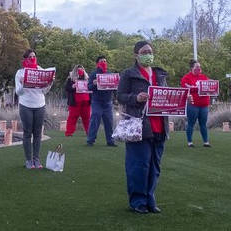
point(194, 113)
point(32, 121)
point(143, 170)
point(100, 110)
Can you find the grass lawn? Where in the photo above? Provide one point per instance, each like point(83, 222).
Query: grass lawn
point(194, 192)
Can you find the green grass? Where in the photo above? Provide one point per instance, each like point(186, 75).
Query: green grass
point(194, 192)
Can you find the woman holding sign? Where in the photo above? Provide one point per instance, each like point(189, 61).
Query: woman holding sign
point(78, 100)
point(197, 108)
point(31, 106)
point(143, 158)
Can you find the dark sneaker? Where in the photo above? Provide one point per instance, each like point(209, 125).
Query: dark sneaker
point(90, 144)
point(140, 209)
point(154, 209)
point(207, 145)
point(29, 164)
point(111, 145)
point(37, 163)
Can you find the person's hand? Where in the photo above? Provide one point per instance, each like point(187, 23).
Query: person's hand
point(54, 77)
point(95, 81)
point(74, 85)
point(142, 97)
point(190, 99)
point(21, 80)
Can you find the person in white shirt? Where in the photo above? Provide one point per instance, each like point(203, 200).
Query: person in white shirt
point(31, 111)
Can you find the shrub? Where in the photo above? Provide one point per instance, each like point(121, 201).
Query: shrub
point(219, 113)
point(179, 122)
point(54, 114)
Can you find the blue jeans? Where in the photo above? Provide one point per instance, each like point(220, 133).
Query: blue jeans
point(194, 113)
point(143, 170)
point(101, 110)
point(32, 121)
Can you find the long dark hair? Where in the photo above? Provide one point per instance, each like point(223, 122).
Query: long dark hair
point(27, 53)
point(141, 44)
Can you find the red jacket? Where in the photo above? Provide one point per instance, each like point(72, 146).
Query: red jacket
point(191, 80)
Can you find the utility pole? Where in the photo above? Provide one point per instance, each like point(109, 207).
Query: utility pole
point(194, 31)
point(34, 8)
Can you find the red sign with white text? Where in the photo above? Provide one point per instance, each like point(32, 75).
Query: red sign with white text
point(167, 101)
point(81, 86)
point(108, 81)
point(36, 78)
point(208, 88)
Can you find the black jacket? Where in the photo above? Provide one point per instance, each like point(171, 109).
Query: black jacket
point(70, 92)
point(131, 84)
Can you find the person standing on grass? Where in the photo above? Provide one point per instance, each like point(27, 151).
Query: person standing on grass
point(31, 111)
point(198, 106)
point(78, 103)
point(101, 106)
point(143, 158)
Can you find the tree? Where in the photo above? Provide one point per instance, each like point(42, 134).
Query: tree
point(213, 18)
point(149, 34)
point(33, 30)
point(12, 46)
point(226, 45)
point(63, 49)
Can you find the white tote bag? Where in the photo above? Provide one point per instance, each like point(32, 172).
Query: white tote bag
point(55, 159)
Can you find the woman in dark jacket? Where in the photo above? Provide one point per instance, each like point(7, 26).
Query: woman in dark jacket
point(143, 158)
point(78, 102)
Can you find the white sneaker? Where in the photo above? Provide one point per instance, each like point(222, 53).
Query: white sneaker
point(37, 163)
point(191, 145)
point(29, 164)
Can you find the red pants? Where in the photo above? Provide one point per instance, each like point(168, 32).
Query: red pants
point(82, 109)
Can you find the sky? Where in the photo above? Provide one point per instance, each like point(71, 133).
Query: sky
point(128, 16)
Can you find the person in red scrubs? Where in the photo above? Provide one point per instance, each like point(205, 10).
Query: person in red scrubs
point(78, 102)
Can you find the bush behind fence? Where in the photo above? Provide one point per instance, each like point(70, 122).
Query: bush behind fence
point(57, 110)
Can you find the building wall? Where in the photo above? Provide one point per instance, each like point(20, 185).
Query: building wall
point(11, 4)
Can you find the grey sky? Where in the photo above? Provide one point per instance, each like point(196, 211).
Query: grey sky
point(125, 15)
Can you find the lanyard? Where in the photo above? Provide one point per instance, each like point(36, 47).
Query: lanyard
point(150, 76)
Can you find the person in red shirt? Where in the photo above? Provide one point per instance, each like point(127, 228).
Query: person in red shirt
point(78, 102)
point(198, 106)
point(143, 158)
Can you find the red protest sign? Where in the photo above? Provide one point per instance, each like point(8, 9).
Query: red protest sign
point(35, 78)
point(81, 86)
point(208, 88)
point(167, 101)
point(107, 81)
